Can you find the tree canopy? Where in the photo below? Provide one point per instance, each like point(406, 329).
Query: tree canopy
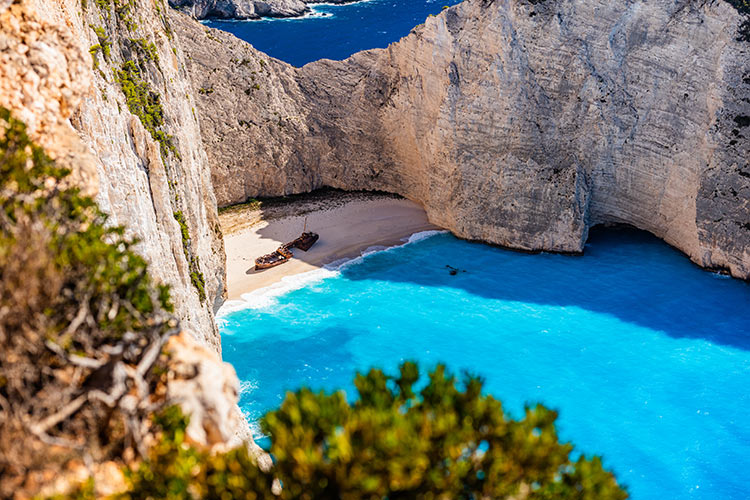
point(446, 440)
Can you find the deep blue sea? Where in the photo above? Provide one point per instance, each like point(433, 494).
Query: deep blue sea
point(646, 356)
point(334, 31)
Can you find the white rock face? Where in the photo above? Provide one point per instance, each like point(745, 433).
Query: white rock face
point(515, 123)
point(208, 390)
point(138, 186)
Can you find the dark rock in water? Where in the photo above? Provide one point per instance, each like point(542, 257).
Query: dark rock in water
point(454, 270)
point(240, 9)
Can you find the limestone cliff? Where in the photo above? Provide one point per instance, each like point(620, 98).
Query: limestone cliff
point(512, 122)
point(104, 83)
point(102, 88)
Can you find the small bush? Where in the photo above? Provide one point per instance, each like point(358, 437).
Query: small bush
point(196, 276)
point(94, 51)
point(78, 309)
point(144, 103)
point(146, 50)
point(104, 42)
point(446, 441)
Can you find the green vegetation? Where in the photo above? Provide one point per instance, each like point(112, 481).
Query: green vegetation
point(249, 90)
point(77, 303)
point(196, 276)
point(104, 42)
point(104, 46)
point(125, 10)
point(180, 218)
point(205, 91)
point(73, 294)
point(446, 441)
point(94, 51)
point(146, 50)
point(210, 36)
point(78, 234)
point(144, 104)
point(250, 204)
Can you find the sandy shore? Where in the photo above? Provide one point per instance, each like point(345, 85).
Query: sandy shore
point(347, 225)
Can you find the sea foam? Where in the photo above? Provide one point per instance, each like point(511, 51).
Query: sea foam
point(267, 296)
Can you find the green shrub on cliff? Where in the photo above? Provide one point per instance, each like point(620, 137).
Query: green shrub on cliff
point(78, 310)
point(196, 276)
point(446, 441)
point(145, 104)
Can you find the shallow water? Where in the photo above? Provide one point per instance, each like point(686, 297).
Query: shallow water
point(646, 356)
point(334, 31)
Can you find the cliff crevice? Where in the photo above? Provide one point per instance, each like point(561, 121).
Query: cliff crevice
point(110, 77)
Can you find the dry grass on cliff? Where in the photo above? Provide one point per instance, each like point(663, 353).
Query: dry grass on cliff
point(81, 325)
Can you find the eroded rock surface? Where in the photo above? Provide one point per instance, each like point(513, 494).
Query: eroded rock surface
point(516, 123)
point(61, 72)
point(207, 389)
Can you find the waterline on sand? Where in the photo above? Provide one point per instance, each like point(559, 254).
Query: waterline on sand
point(267, 296)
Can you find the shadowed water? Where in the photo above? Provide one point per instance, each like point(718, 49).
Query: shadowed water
point(646, 356)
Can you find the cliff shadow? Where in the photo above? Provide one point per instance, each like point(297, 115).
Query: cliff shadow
point(624, 272)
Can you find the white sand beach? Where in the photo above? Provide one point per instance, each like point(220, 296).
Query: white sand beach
point(346, 227)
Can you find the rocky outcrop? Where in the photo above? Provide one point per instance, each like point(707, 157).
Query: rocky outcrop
point(201, 384)
point(246, 9)
point(132, 130)
point(240, 9)
point(40, 64)
point(516, 123)
point(208, 390)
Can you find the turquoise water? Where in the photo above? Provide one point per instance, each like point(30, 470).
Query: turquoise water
point(646, 357)
point(334, 31)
